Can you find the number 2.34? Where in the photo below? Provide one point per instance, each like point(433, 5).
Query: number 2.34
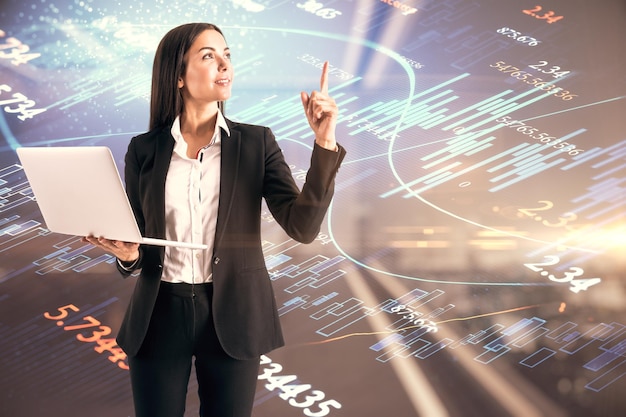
point(570, 276)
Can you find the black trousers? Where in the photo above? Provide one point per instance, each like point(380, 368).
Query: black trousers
point(181, 328)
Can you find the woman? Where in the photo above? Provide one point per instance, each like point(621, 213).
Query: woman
point(199, 177)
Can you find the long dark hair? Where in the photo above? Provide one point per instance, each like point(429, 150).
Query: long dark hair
point(166, 101)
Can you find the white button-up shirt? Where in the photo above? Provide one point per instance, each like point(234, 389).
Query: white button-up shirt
point(191, 201)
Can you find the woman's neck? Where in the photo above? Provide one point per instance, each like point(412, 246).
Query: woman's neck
point(197, 127)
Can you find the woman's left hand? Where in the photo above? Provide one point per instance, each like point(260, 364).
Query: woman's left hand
point(321, 112)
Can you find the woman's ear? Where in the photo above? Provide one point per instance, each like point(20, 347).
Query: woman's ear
point(181, 83)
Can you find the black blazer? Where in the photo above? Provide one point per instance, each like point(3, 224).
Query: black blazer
point(252, 168)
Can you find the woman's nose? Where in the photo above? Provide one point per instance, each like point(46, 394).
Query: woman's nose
point(223, 64)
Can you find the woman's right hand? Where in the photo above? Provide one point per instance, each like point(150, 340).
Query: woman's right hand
point(124, 251)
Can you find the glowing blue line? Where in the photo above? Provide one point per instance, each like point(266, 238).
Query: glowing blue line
point(14, 144)
point(575, 108)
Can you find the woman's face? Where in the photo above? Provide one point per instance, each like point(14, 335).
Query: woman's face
point(209, 74)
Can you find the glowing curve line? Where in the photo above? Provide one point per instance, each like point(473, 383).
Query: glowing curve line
point(387, 332)
point(392, 54)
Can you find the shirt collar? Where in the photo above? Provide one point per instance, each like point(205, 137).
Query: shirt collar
point(180, 146)
point(221, 124)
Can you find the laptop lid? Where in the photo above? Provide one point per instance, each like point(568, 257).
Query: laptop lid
point(79, 192)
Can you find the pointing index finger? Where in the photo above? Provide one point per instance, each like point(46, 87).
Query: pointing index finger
point(324, 79)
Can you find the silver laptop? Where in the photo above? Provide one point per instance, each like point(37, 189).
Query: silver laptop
point(80, 193)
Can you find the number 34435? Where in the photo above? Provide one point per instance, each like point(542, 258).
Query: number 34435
point(313, 404)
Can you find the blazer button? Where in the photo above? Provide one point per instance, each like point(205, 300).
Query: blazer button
point(216, 260)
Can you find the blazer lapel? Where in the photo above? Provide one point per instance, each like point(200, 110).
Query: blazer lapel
point(229, 171)
point(164, 147)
